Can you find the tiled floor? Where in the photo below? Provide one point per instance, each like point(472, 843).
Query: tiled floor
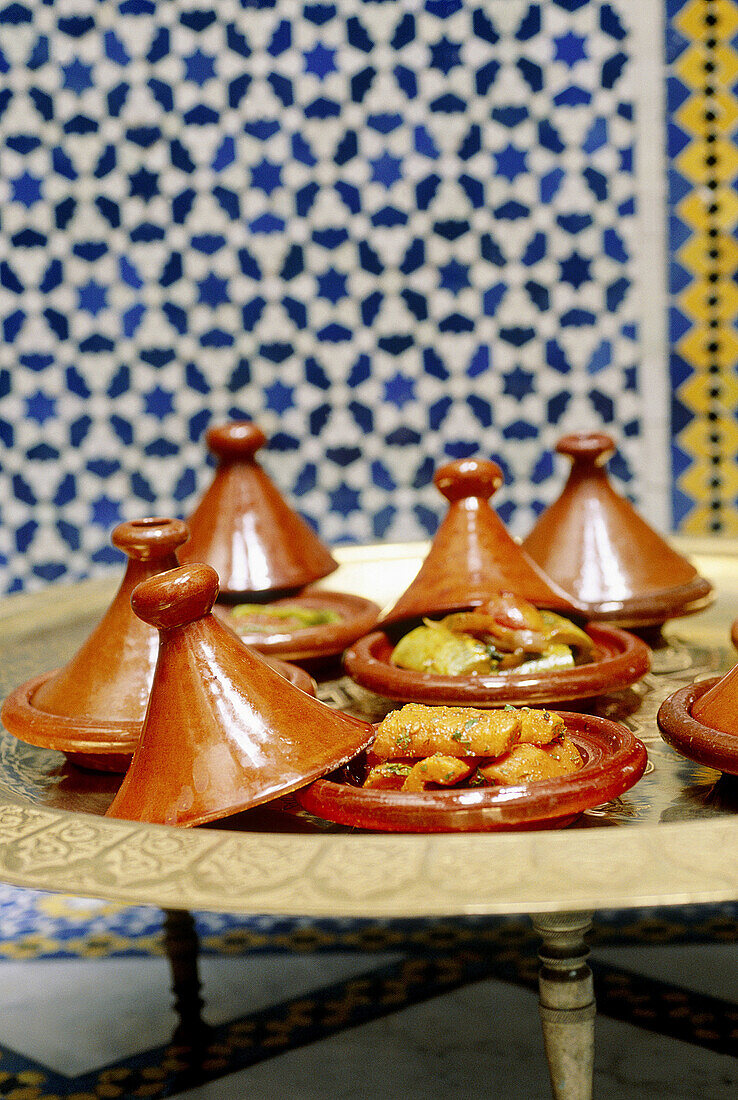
point(380, 1024)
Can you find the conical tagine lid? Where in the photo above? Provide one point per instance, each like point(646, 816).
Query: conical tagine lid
point(718, 707)
point(108, 679)
point(593, 543)
point(223, 731)
point(473, 556)
point(244, 527)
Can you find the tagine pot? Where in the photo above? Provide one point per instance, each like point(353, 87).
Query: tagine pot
point(594, 545)
point(92, 708)
point(245, 529)
point(223, 732)
point(700, 721)
point(473, 556)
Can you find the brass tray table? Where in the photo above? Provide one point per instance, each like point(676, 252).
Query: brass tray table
point(672, 839)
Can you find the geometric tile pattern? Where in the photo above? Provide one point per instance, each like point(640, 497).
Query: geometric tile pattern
point(38, 925)
point(393, 234)
point(703, 119)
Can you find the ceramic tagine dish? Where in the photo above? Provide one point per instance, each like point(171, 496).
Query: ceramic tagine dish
point(701, 721)
point(593, 543)
point(482, 624)
point(265, 555)
point(92, 709)
point(223, 732)
point(453, 769)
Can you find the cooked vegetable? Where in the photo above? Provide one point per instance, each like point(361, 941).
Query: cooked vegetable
point(434, 648)
point(565, 751)
point(416, 731)
point(527, 763)
point(388, 776)
point(553, 656)
point(419, 747)
point(260, 618)
point(505, 632)
point(444, 771)
point(565, 632)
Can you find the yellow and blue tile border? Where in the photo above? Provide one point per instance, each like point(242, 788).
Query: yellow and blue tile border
point(702, 99)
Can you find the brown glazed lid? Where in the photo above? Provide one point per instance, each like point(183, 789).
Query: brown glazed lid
point(244, 527)
point(223, 731)
point(718, 707)
point(699, 721)
point(109, 678)
point(594, 544)
point(473, 556)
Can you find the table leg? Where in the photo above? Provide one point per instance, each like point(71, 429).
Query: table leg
point(181, 945)
point(567, 1005)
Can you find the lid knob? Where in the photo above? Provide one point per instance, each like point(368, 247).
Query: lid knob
point(468, 477)
point(237, 439)
point(587, 447)
point(151, 538)
point(176, 597)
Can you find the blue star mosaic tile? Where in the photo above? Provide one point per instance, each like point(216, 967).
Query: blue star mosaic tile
point(391, 233)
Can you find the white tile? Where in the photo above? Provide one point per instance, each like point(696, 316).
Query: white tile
point(77, 1015)
point(482, 1041)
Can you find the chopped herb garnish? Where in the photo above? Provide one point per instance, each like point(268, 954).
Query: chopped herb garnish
point(403, 739)
point(460, 735)
point(494, 654)
point(449, 777)
point(509, 706)
point(392, 768)
point(477, 780)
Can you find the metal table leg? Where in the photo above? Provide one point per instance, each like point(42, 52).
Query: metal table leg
point(566, 1003)
point(192, 1035)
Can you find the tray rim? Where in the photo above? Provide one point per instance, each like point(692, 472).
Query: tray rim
point(365, 875)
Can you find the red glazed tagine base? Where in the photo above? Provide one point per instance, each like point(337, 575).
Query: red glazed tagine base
point(643, 613)
point(98, 746)
point(692, 738)
point(357, 617)
point(620, 659)
point(614, 762)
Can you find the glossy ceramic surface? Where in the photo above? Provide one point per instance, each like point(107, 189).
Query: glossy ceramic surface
point(687, 732)
point(357, 617)
point(718, 707)
point(619, 659)
point(90, 745)
point(473, 556)
point(97, 701)
point(245, 528)
point(593, 543)
point(671, 839)
point(614, 761)
point(223, 731)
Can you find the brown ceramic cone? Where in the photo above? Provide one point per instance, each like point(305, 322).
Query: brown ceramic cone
point(99, 698)
point(699, 721)
point(473, 556)
point(593, 543)
point(244, 527)
point(223, 731)
point(718, 707)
